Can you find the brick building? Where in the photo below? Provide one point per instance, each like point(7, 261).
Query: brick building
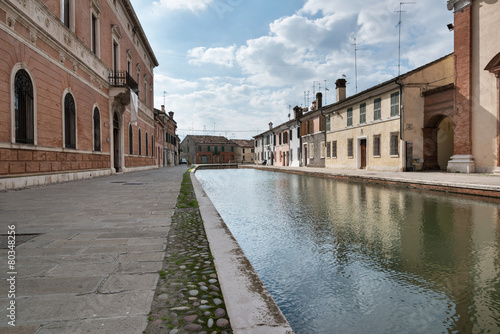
point(76, 98)
point(208, 149)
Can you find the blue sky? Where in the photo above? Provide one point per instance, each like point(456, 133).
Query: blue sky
point(233, 66)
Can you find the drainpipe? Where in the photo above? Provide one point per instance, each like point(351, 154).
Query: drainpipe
point(321, 112)
point(401, 123)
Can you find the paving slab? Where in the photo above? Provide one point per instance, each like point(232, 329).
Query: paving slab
point(94, 264)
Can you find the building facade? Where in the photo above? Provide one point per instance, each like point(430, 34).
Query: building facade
point(382, 128)
point(77, 98)
point(476, 97)
point(313, 136)
point(244, 151)
point(208, 149)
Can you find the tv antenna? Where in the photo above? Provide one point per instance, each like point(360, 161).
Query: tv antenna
point(164, 97)
point(400, 23)
point(356, 62)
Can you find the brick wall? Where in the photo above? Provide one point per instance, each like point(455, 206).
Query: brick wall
point(19, 162)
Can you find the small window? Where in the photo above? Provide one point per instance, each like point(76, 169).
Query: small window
point(93, 32)
point(334, 149)
point(328, 149)
point(208, 148)
point(130, 140)
point(395, 143)
point(140, 143)
point(232, 148)
point(66, 13)
point(328, 123)
point(376, 146)
point(24, 108)
point(223, 148)
point(69, 121)
point(362, 113)
point(349, 116)
point(350, 148)
point(199, 148)
point(395, 104)
point(97, 130)
point(377, 109)
point(311, 151)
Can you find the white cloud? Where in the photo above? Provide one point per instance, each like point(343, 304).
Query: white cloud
point(218, 56)
point(190, 5)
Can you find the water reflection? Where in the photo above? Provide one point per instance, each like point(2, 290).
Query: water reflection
point(342, 257)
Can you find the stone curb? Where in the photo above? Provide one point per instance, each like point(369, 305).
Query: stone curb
point(249, 304)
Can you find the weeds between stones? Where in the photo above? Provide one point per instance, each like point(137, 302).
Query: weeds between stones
point(188, 297)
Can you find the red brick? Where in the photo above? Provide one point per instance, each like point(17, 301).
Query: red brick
point(32, 167)
point(8, 155)
point(51, 156)
point(17, 167)
point(66, 165)
point(4, 168)
point(45, 166)
point(56, 166)
point(24, 155)
point(39, 156)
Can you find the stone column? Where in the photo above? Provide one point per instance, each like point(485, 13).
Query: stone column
point(462, 160)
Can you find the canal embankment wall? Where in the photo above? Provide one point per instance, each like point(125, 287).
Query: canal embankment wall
point(250, 307)
point(486, 185)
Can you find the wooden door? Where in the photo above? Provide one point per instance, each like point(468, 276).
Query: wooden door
point(363, 153)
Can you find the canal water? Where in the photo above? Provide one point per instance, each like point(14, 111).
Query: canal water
point(347, 257)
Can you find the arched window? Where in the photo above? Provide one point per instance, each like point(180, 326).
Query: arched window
point(147, 152)
point(140, 148)
point(97, 130)
point(23, 102)
point(130, 140)
point(69, 121)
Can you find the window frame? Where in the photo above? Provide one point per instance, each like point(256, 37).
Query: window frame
point(334, 149)
point(69, 121)
point(350, 148)
point(376, 146)
point(395, 104)
point(362, 113)
point(377, 109)
point(29, 113)
point(394, 144)
point(349, 117)
point(96, 129)
point(130, 140)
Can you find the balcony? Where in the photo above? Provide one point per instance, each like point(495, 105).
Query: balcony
point(123, 79)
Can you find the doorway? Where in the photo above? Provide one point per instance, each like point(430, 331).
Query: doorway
point(116, 142)
point(362, 149)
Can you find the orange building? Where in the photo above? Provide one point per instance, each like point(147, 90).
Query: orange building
point(77, 91)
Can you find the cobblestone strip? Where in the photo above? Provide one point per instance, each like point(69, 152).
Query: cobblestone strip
point(188, 298)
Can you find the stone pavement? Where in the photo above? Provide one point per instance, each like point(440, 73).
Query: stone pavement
point(93, 267)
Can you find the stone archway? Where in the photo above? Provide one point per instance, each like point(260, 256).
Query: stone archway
point(439, 137)
point(438, 112)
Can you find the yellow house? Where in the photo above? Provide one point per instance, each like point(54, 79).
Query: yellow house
point(381, 128)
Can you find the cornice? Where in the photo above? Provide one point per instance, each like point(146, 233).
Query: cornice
point(457, 5)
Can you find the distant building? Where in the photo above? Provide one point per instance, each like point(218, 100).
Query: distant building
point(244, 151)
point(208, 149)
point(78, 85)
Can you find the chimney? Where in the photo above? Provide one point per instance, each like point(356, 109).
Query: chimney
point(162, 108)
point(297, 112)
point(341, 90)
point(270, 125)
point(171, 114)
point(319, 100)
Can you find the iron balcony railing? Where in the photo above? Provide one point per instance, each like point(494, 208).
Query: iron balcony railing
point(123, 79)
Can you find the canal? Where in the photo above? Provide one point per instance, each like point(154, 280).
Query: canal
point(347, 257)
